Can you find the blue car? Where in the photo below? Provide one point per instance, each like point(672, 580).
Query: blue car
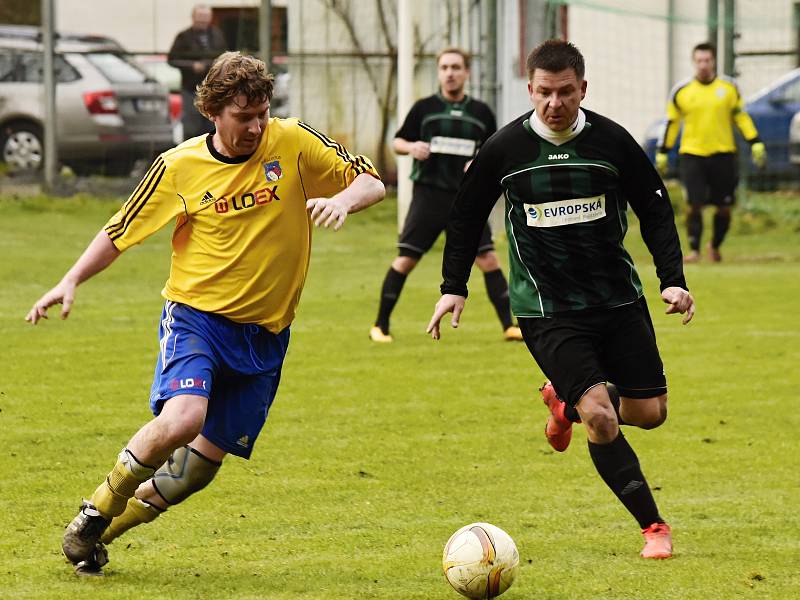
point(772, 110)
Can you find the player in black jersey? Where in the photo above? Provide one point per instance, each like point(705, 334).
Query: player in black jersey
point(568, 175)
point(442, 133)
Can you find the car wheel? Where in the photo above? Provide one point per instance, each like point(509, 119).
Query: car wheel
point(21, 146)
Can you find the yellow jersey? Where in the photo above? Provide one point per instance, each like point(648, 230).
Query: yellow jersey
point(242, 238)
point(708, 112)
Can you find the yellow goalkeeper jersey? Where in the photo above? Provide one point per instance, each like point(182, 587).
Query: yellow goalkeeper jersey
point(242, 236)
point(708, 112)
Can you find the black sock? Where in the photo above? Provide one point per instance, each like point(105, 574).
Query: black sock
point(613, 393)
point(497, 289)
point(694, 229)
point(390, 292)
point(618, 466)
point(571, 413)
point(722, 223)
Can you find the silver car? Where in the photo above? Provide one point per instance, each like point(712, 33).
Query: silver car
point(109, 113)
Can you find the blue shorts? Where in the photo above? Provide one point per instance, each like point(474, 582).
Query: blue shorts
point(236, 366)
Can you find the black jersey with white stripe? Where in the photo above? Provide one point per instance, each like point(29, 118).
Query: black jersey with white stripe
point(566, 218)
point(455, 131)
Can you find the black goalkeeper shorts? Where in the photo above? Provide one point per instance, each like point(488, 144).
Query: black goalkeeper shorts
point(580, 350)
point(709, 179)
point(427, 218)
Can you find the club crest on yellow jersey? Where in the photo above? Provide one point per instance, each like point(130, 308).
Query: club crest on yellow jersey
point(273, 171)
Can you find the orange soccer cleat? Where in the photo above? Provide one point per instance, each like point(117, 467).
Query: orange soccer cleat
point(559, 428)
point(658, 541)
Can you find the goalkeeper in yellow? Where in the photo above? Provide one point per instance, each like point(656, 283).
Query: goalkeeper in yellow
point(708, 106)
point(243, 201)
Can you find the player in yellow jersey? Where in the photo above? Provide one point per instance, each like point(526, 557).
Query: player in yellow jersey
point(242, 201)
point(708, 106)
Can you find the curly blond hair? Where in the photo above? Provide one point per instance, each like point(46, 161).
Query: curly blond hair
point(232, 74)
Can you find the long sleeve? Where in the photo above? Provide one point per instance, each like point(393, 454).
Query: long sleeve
point(672, 128)
point(647, 195)
point(476, 196)
point(743, 121)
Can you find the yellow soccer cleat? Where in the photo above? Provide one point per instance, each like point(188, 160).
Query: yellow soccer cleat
point(376, 335)
point(513, 334)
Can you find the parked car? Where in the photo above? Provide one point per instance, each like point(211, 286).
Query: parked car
point(157, 67)
point(794, 140)
point(772, 110)
point(109, 113)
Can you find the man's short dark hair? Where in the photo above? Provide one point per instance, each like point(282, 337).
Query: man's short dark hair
point(555, 56)
point(705, 47)
point(456, 50)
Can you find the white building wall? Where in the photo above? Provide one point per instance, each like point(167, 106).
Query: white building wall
point(146, 26)
point(625, 43)
point(764, 25)
point(512, 98)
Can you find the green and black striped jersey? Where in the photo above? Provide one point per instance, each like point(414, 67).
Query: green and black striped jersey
point(565, 212)
point(455, 131)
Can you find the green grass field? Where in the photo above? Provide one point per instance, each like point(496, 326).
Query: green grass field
point(373, 455)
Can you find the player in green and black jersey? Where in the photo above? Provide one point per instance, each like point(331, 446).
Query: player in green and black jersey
point(442, 133)
point(568, 176)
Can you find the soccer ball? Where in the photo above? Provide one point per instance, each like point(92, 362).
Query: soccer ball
point(480, 561)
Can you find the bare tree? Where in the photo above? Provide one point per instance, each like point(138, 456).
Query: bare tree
point(384, 91)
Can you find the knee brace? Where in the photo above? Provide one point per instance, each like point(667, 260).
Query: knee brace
point(185, 472)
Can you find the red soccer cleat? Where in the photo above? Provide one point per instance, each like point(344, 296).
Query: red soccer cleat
point(658, 541)
point(559, 428)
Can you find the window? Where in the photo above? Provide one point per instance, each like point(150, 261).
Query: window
point(6, 64)
point(115, 68)
point(27, 66)
point(790, 94)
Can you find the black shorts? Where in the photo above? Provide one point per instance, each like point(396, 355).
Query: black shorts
point(709, 179)
point(427, 218)
point(616, 345)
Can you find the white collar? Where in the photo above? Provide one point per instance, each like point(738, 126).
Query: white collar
point(558, 137)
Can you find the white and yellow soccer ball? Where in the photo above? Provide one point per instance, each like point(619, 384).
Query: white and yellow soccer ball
point(480, 561)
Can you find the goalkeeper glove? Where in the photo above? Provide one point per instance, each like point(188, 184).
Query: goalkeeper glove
point(759, 154)
point(662, 160)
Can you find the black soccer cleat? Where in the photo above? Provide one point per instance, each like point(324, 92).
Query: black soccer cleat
point(93, 566)
point(83, 534)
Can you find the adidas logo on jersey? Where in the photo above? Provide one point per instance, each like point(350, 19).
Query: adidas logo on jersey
point(557, 156)
point(207, 198)
point(243, 441)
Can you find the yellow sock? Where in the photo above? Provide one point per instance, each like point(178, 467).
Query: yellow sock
point(136, 512)
point(111, 497)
